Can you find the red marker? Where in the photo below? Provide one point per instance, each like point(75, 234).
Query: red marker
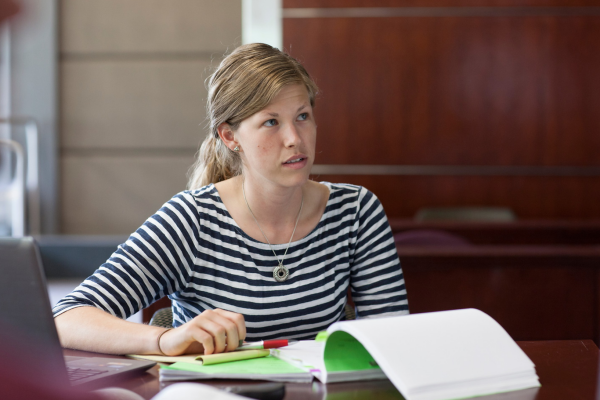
point(266, 344)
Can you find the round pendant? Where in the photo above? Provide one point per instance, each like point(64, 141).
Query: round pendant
point(281, 273)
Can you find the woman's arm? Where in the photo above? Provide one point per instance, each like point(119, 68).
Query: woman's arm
point(376, 276)
point(92, 329)
point(156, 260)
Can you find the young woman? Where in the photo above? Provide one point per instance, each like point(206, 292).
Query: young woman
point(254, 249)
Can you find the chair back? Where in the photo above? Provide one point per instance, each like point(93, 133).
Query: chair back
point(475, 214)
point(429, 237)
point(12, 193)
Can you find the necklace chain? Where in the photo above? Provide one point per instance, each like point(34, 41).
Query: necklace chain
point(280, 262)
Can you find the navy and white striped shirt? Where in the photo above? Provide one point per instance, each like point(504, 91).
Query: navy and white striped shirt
point(194, 252)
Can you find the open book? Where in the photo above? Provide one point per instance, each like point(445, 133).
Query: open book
point(431, 356)
point(442, 355)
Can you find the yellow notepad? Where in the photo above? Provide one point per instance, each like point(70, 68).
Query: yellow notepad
point(205, 359)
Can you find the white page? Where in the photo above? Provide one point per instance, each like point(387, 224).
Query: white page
point(420, 350)
point(306, 354)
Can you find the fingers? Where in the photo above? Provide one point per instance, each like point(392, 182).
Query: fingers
point(216, 330)
point(218, 334)
point(206, 339)
point(238, 320)
point(224, 327)
point(192, 338)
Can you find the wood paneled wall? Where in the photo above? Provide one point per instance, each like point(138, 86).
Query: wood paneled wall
point(435, 3)
point(530, 197)
point(549, 234)
point(505, 83)
point(535, 293)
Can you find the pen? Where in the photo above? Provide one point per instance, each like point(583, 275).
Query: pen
point(266, 344)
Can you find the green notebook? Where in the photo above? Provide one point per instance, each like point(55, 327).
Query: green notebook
point(340, 357)
point(265, 368)
point(339, 345)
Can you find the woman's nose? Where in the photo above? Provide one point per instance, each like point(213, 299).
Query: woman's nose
point(292, 136)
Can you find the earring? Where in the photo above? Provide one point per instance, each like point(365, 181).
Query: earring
point(236, 149)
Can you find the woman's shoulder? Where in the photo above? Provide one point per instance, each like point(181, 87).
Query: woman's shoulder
point(199, 197)
point(204, 192)
point(347, 191)
point(345, 196)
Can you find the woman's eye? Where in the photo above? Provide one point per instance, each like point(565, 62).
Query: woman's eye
point(271, 122)
point(303, 116)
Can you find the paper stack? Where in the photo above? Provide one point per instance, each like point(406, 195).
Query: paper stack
point(431, 356)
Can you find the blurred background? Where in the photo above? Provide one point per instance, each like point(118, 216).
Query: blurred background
point(477, 124)
point(428, 103)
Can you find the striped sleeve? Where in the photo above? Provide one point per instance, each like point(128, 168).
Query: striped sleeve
point(376, 278)
point(155, 261)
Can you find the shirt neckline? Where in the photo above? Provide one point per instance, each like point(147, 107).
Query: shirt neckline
point(215, 192)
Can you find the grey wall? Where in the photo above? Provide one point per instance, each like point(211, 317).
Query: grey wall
point(132, 100)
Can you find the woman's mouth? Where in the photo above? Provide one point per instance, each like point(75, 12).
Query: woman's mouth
point(296, 160)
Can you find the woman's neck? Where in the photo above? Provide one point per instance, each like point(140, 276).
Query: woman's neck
point(273, 206)
point(276, 209)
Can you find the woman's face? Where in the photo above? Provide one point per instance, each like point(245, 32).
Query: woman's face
point(278, 142)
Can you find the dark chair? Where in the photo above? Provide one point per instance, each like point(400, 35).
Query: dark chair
point(429, 237)
point(475, 214)
point(163, 318)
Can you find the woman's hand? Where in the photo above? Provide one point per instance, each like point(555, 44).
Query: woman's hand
point(213, 331)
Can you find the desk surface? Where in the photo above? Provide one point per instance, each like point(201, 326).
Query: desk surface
point(568, 369)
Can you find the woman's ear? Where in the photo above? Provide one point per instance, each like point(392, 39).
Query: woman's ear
point(227, 136)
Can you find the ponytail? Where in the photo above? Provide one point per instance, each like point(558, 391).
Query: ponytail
point(215, 163)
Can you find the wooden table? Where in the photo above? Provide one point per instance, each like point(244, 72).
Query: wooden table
point(568, 369)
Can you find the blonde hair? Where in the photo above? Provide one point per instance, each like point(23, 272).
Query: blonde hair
point(244, 83)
